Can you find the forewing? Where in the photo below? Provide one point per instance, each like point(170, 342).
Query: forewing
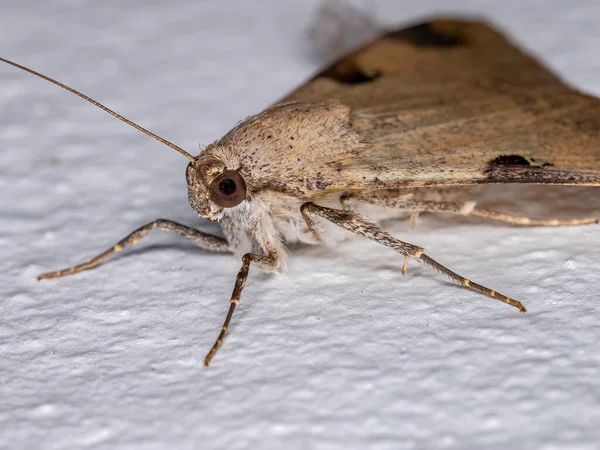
point(454, 102)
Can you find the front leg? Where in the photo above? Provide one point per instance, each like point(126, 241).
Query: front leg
point(356, 224)
point(200, 238)
point(266, 263)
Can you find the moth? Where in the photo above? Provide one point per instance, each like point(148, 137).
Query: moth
point(402, 124)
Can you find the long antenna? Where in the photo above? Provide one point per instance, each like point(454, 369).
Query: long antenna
point(102, 107)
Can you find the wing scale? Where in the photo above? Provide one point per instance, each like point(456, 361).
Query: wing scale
point(453, 102)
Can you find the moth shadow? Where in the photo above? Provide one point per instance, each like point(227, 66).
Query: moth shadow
point(541, 201)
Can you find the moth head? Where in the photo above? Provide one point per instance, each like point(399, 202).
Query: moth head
point(213, 187)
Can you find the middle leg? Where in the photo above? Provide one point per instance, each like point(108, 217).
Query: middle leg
point(356, 224)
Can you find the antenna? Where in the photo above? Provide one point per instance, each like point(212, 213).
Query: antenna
point(102, 107)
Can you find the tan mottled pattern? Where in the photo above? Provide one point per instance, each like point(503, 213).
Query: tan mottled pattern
point(440, 114)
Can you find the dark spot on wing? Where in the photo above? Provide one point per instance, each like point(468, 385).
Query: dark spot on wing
point(517, 169)
point(510, 160)
point(538, 175)
point(425, 35)
point(320, 182)
point(348, 72)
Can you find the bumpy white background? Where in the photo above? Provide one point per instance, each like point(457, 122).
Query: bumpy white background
point(343, 352)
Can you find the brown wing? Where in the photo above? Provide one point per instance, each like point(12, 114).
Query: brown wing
point(454, 102)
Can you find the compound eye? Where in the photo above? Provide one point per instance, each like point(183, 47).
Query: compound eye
point(228, 189)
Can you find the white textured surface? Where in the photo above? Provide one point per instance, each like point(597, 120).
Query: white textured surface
point(343, 352)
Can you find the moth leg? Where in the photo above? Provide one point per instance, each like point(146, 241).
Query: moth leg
point(469, 209)
point(314, 227)
point(413, 219)
point(266, 263)
point(529, 222)
point(201, 239)
point(356, 224)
